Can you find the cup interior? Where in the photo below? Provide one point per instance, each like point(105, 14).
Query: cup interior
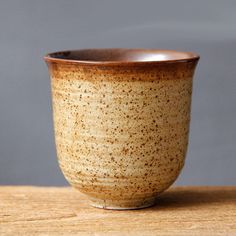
point(114, 55)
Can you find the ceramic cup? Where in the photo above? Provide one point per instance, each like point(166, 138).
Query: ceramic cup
point(121, 119)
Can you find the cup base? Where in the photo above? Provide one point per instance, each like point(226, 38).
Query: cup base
point(121, 204)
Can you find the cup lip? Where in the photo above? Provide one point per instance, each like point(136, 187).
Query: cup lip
point(174, 57)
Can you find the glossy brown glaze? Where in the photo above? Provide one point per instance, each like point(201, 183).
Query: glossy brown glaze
point(121, 57)
point(121, 121)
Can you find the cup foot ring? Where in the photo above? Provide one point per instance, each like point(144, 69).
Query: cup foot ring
point(121, 205)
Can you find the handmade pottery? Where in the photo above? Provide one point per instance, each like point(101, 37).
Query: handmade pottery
point(121, 119)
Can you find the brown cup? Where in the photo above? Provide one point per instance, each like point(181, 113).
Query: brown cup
point(121, 119)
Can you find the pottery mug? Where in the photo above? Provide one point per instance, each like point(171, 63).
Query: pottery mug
point(121, 120)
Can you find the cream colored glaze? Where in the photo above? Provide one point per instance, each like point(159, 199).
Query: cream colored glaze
point(121, 132)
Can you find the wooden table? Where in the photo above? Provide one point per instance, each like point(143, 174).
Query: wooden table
point(58, 211)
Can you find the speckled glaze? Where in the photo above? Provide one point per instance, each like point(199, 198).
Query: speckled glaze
point(121, 120)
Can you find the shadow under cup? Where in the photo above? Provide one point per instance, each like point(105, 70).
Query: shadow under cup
point(121, 120)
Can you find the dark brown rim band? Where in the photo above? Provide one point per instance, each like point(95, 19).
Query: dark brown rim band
point(121, 57)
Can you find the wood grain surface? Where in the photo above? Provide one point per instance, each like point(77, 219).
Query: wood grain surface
point(64, 211)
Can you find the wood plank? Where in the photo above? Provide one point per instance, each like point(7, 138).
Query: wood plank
point(28, 210)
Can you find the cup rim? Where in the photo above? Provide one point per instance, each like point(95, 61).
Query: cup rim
point(121, 56)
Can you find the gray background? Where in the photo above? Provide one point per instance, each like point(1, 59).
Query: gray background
point(29, 29)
